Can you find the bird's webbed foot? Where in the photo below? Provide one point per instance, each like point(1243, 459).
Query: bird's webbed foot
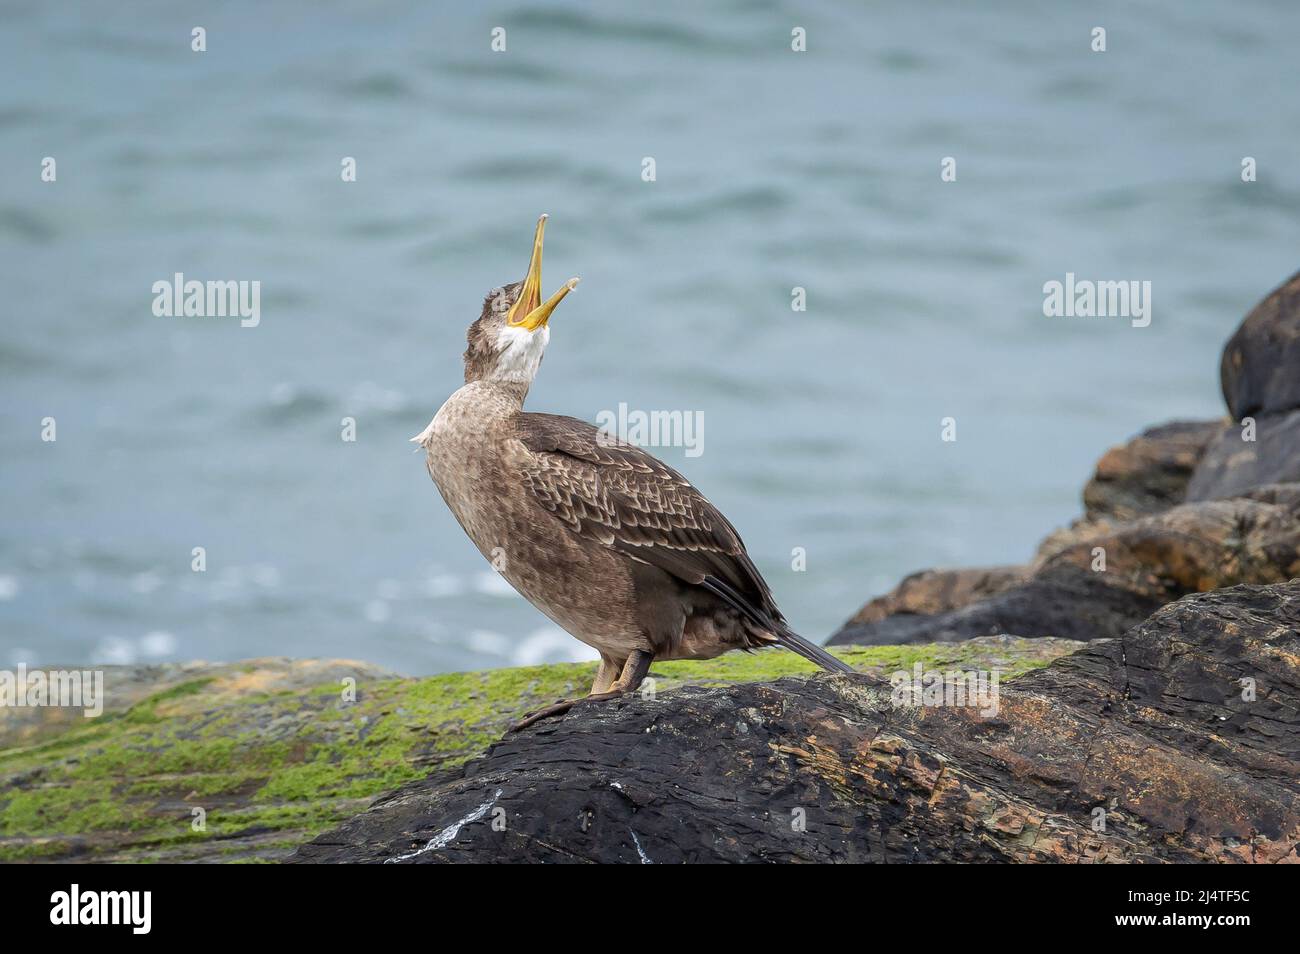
point(633, 672)
point(548, 712)
point(563, 706)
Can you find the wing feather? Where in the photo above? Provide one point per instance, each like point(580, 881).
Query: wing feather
point(622, 497)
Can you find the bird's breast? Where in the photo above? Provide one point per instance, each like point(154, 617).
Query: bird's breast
point(471, 456)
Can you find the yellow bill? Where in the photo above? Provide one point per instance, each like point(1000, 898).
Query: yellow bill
point(529, 311)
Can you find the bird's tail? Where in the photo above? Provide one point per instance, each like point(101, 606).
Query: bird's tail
point(810, 651)
point(767, 627)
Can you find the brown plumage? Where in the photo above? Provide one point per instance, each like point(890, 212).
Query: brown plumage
point(613, 545)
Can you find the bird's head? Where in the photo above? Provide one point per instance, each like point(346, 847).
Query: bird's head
point(507, 341)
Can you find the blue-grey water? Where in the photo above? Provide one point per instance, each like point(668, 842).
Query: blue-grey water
point(774, 169)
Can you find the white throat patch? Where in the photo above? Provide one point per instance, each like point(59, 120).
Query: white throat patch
point(519, 352)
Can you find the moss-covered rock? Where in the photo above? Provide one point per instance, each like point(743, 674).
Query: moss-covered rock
point(1179, 742)
point(243, 762)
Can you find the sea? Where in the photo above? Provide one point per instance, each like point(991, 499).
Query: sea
point(820, 231)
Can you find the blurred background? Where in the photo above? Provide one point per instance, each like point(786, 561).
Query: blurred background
point(775, 169)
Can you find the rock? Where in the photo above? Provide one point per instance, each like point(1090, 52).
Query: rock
point(1149, 473)
point(125, 686)
point(1061, 602)
point(1260, 369)
point(936, 591)
point(1193, 547)
point(274, 752)
point(1149, 562)
point(1148, 748)
point(1232, 466)
point(1063, 538)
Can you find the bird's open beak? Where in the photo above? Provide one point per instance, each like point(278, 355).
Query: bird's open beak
point(529, 311)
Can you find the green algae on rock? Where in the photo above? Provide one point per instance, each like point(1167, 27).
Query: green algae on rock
point(245, 761)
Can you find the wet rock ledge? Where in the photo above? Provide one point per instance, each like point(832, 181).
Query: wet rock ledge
point(275, 751)
point(1142, 748)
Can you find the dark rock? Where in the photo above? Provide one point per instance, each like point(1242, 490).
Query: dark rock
point(1190, 548)
point(937, 591)
point(1232, 466)
point(1153, 733)
point(1058, 601)
point(1149, 473)
point(276, 752)
point(1193, 547)
point(1260, 369)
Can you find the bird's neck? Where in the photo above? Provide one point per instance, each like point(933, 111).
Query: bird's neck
point(495, 398)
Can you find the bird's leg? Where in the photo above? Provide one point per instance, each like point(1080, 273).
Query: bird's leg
point(634, 672)
point(609, 671)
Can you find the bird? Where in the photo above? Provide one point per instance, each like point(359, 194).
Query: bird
point(613, 545)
